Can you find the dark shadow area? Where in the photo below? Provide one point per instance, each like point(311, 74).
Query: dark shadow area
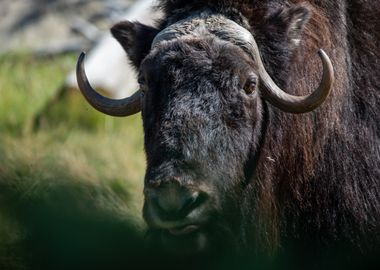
point(65, 228)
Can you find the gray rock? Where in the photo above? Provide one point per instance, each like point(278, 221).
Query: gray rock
point(55, 25)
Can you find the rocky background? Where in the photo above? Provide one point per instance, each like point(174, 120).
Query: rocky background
point(56, 26)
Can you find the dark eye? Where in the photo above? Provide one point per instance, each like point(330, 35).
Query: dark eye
point(250, 84)
point(142, 83)
point(141, 80)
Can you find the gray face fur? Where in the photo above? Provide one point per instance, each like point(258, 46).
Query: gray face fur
point(200, 128)
point(202, 123)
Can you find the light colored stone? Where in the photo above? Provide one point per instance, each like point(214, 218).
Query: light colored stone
point(38, 25)
point(107, 64)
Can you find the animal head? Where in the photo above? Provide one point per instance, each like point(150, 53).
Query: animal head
point(203, 88)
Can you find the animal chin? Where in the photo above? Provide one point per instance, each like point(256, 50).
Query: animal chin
point(187, 240)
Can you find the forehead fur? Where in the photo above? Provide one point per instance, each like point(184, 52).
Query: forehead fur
point(204, 53)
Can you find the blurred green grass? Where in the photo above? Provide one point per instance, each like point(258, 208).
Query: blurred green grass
point(80, 174)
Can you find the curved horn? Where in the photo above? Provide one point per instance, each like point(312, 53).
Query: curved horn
point(120, 107)
point(299, 104)
point(271, 92)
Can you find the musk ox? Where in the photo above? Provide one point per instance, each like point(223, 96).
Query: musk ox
point(250, 143)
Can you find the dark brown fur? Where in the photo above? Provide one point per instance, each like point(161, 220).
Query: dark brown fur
point(316, 181)
point(318, 175)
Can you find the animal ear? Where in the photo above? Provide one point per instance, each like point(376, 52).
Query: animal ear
point(296, 18)
point(135, 38)
point(292, 21)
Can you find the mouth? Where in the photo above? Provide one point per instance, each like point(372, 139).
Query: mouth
point(184, 230)
point(186, 236)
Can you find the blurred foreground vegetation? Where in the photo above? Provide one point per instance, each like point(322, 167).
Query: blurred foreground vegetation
point(71, 187)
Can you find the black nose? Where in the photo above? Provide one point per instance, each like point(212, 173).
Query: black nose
point(171, 201)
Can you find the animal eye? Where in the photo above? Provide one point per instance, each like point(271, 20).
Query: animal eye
point(250, 84)
point(142, 83)
point(141, 80)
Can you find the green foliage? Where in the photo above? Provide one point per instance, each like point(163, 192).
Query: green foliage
point(72, 186)
point(26, 84)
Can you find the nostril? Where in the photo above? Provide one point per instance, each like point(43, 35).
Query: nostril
point(190, 202)
point(194, 201)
